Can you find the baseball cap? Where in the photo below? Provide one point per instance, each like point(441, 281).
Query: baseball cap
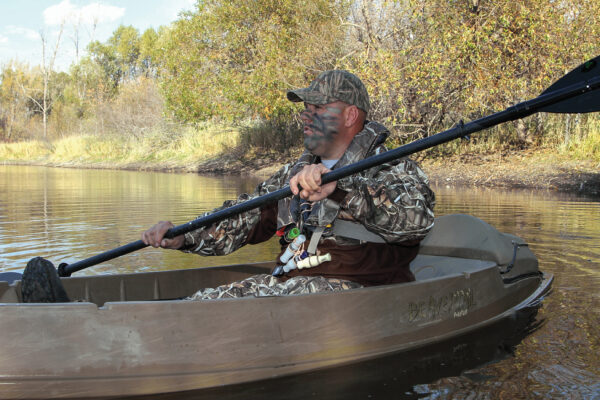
point(331, 86)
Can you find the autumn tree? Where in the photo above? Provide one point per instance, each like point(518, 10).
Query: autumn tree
point(47, 66)
point(237, 58)
point(148, 57)
point(14, 102)
point(434, 62)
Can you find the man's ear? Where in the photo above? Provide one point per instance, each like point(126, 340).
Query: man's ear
point(351, 116)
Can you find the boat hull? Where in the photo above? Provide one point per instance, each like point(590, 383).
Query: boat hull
point(120, 340)
point(134, 348)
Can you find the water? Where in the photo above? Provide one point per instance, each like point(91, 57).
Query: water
point(66, 215)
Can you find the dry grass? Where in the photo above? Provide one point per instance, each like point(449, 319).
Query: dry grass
point(25, 151)
point(177, 147)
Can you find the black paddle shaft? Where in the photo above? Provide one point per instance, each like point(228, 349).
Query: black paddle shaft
point(548, 101)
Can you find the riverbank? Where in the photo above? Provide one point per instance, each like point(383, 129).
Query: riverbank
point(514, 171)
point(525, 169)
point(529, 169)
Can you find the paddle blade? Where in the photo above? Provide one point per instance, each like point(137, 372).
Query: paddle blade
point(584, 103)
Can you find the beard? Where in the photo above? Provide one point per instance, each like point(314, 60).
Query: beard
point(312, 143)
point(325, 127)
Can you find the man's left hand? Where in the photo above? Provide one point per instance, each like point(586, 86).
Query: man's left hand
point(309, 178)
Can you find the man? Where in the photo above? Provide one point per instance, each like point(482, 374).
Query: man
point(366, 227)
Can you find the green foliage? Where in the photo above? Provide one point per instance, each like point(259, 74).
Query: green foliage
point(435, 62)
point(148, 58)
point(106, 58)
point(237, 58)
point(126, 55)
point(125, 45)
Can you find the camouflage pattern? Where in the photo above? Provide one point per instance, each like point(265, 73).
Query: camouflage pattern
point(40, 283)
point(331, 86)
point(392, 200)
point(268, 285)
point(226, 237)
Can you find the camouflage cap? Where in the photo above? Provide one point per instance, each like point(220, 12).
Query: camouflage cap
point(331, 86)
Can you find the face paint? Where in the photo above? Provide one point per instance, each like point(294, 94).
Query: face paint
point(321, 125)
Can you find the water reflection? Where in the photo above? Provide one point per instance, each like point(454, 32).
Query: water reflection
point(560, 360)
point(68, 215)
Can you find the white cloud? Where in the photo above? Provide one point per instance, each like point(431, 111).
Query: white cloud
point(60, 13)
point(22, 31)
point(94, 13)
point(3, 39)
point(97, 12)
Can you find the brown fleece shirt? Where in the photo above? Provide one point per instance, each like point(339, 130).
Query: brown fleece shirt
point(369, 264)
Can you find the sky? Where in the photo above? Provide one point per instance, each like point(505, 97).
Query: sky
point(22, 22)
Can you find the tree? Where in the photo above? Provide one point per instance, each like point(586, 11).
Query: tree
point(434, 62)
point(125, 42)
point(147, 60)
point(119, 56)
point(47, 70)
point(237, 58)
point(14, 110)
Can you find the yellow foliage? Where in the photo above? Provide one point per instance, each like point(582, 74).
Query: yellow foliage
point(180, 148)
point(30, 150)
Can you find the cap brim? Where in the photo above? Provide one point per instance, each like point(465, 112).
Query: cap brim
point(309, 96)
point(293, 96)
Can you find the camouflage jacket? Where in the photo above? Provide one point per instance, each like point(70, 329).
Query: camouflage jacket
point(392, 200)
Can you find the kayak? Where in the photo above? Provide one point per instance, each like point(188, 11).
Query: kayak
point(133, 334)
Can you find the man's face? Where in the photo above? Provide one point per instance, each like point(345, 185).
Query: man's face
point(322, 124)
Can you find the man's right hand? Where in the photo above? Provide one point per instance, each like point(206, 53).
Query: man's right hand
point(309, 178)
point(155, 236)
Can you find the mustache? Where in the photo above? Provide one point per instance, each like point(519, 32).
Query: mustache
point(326, 124)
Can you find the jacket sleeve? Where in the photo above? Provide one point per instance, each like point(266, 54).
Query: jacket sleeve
point(226, 236)
point(394, 202)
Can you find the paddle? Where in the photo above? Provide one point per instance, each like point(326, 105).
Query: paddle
point(573, 93)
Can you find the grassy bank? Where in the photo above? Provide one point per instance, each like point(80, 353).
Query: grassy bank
point(185, 146)
point(180, 148)
point(212, 148)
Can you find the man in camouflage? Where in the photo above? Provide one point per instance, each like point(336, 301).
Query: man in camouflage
point(392, 201)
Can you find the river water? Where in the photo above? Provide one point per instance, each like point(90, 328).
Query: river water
point(66, 215)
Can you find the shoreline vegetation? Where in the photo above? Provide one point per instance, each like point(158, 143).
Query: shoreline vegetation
point(220, 149)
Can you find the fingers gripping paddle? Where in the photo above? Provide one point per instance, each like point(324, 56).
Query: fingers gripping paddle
point(575, 92)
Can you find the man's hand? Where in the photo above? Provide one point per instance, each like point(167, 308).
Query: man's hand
point(309, 178)
point(155, 236)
